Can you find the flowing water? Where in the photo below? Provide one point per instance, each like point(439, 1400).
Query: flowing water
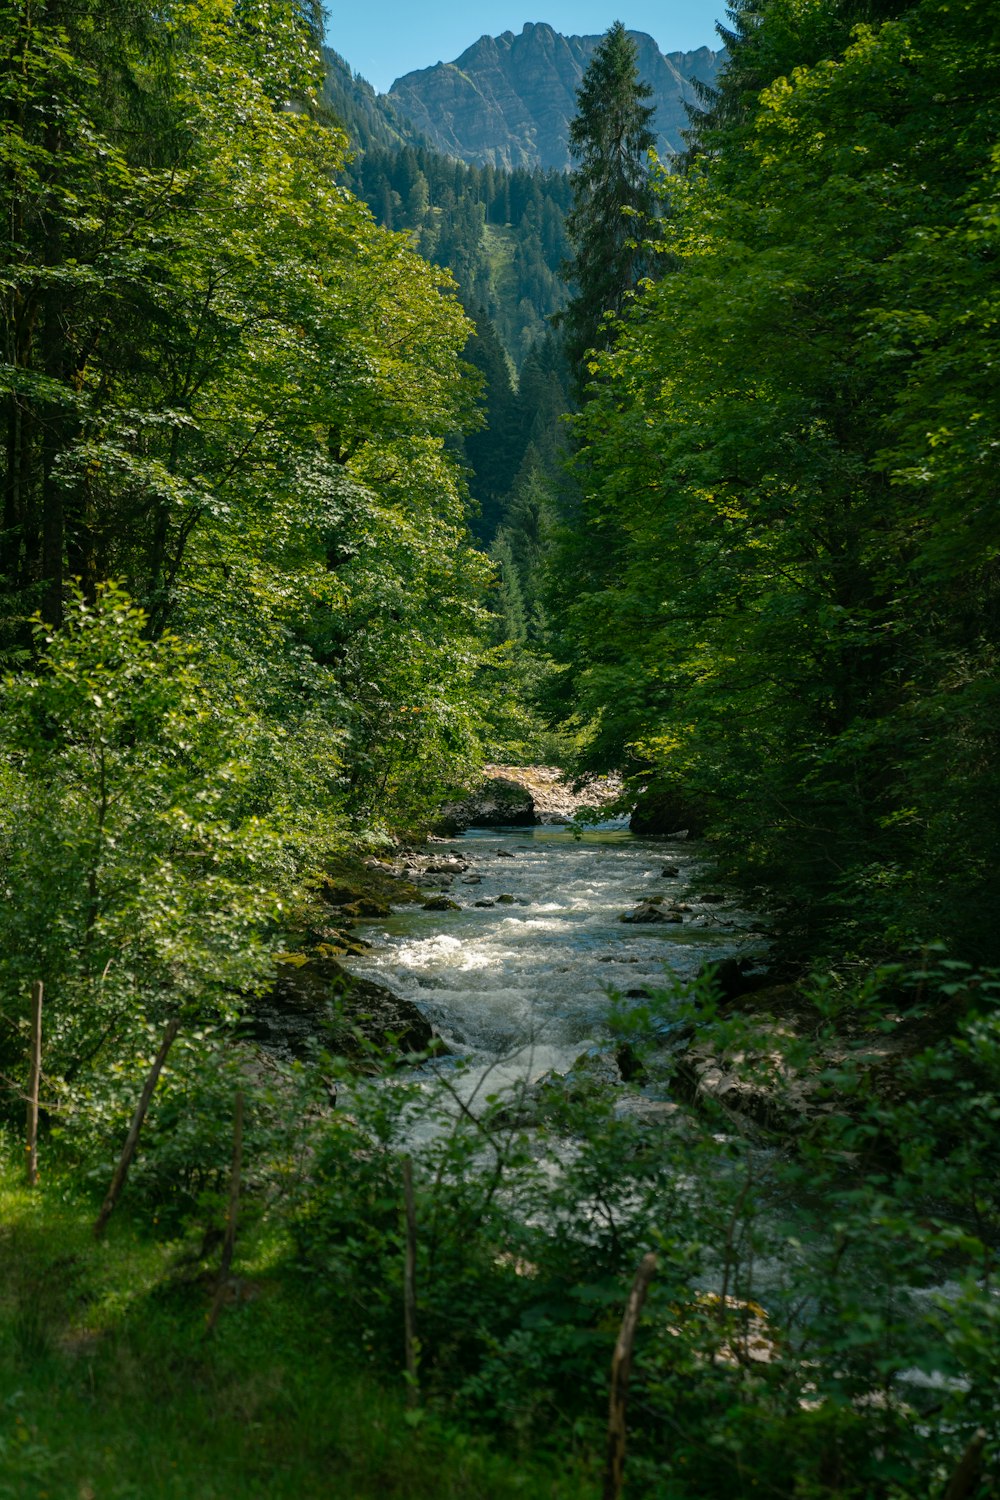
point(522, 986)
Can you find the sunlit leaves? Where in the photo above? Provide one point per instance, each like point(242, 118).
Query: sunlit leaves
point(791, 522)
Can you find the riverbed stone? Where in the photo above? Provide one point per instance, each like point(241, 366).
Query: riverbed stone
point(629, 1063)
point(652, 911)
point(315, 1000)
point(525, 795)
point(664, 811)
point(498, 802)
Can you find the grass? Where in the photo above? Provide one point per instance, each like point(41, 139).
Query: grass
point(110, 1388)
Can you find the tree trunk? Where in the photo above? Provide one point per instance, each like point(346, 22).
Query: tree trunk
point(621, 1369)
point(34, 1081)
point(410, 1287)
point(132, 1139)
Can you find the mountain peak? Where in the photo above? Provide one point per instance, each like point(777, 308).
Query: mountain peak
point(508, 100)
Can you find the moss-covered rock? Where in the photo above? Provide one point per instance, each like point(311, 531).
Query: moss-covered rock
point(371, 885)
point(315, 1000)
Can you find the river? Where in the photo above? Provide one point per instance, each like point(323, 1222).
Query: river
point(521, 985)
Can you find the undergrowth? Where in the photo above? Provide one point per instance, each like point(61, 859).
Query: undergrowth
point(111, 1388)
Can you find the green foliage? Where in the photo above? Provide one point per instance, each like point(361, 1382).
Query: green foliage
point(110, 1386)
point(136, 883)
point(789, 599)
point(609, 225)
point(520, 1253)
point(820, 1324)
point(501, 234)
point(520, 550)
point(249, 411)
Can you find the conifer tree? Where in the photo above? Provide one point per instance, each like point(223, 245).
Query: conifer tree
point(610, 138)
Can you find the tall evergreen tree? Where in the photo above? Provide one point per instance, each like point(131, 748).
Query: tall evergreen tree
point(610, 139)
point(785, 596)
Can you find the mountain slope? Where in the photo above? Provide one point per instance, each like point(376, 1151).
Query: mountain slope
point(508, 100)
point(370, 119)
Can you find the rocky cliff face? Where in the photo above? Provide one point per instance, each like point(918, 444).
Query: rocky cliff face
point(508, 100)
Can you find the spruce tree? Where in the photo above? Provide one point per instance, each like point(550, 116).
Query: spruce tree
point(610, 138)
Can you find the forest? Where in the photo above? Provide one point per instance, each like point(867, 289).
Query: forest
point(337, 473)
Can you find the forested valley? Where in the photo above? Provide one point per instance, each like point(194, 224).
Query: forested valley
point(354, 496)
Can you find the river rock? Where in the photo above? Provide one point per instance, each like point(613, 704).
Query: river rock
point(736, 977)
point(655, 1113)
point(366, 908)
point(372, 886)
point(548, 1097)
point(441, 903)
point(498, 802)
point(652, 911)
point(665, 811)
point(314, 999)
point(352, 902)
point(784, 1107)
point(629, 1063)
point(524, 795)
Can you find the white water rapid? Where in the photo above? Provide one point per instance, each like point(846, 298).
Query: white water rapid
point(521, 986)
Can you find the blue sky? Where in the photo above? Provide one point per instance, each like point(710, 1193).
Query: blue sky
point(382, 39)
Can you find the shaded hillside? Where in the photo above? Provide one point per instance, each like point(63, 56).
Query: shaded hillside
point(502, 234)
point(370, 119)
point(508, 100)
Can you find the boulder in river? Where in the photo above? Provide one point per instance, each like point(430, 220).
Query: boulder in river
point(441, 903)
point(314, 999)
point(525, 795)
point(668, 812)
point(499, 803)
point(652, 911)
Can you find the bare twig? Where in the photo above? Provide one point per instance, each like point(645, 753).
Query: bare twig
point(132, 1139)
point(232, 1214)
point(37, 991)
point(410, 1286)
point(621, 1369)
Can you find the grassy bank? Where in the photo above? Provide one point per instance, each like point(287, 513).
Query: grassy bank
point(110, 1387)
